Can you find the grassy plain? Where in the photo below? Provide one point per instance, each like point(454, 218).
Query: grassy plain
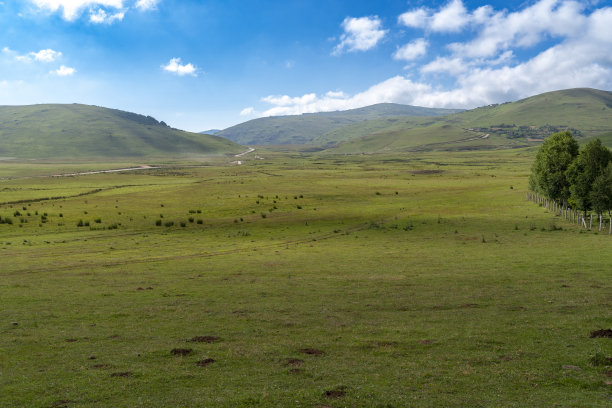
point(417, 279)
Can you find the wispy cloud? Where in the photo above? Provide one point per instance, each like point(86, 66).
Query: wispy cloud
point(147, 4)
point(360, 34)
point(99, 11)
point(71, 9)
point(47, 55)
point(102, 17)
point(174, 66)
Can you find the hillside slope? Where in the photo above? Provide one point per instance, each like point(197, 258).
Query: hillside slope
point(585, 112)
point(310, 128)
point(78, 131)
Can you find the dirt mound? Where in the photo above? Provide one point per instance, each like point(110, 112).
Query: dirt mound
point(311, 351)
point(338, 392)
point(122, 374)
point(603, 333)
point(181, 351)
point(205, 362)
point(294, 362)
point(205, 339)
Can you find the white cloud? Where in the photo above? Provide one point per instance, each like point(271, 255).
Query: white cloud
point(64, 71)
point(450, 18)
point(175, 66)
point(416, 18)
point(101, 17)
point(247, 111)
point(525, 28)
point(579, 57)
point(453, 17)
point(147, 4)
point(99, 11)
point(412, 50)
point(47, 55)
point(360, 34)
point(71, 9)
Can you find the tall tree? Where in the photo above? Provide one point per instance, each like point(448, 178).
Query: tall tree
point(590, 164)
point(548, 174)
point(601, 192)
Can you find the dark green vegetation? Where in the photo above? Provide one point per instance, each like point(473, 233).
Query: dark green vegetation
point(312, 129)
point(300, 280)
point(80, 131)
point(572, 178)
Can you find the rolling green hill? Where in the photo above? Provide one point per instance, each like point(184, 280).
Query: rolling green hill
point(586, 112)
point(79, 131)
point(311, 128)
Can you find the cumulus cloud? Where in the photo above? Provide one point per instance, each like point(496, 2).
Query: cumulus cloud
point(64, 71)
point(485, 68)
point(102, 17)
point(450, 18)
point(412, 50)
point(174, 66)
point(360, 34)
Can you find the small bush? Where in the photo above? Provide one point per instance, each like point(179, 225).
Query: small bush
point(169, 224)
point(98, 220)
point(158, 223)
point(263, 215)
point(183, 224)
point(200, 222)
point(191, 219)
point(80, 223)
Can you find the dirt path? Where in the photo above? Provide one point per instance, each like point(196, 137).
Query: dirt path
point(87, 173)
point(251, 150)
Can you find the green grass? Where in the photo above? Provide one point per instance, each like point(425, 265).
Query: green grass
point(82, 131)
point(424, 279)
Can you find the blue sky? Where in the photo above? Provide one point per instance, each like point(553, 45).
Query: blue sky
point(211, 64)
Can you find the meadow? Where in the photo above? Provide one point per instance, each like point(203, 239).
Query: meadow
point(298, 280)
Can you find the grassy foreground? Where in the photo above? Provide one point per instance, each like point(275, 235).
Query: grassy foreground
point(340, 281)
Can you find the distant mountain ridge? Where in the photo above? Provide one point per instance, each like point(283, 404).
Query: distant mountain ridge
point(584, 111)
point(304, 129)
point(78, 131)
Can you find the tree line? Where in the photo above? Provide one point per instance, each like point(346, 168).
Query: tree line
point(573, 181)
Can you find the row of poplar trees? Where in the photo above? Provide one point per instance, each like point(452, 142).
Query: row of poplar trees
point(575, 177)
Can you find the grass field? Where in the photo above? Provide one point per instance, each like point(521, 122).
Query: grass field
point(417, 279)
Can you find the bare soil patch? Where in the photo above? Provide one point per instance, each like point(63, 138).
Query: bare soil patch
point(101, 366)
point(70, 340)
point(426, 342)
point(122, 374)
point(338, 392)
point(312, 351)
point(603, 333)
point(181, 351)
point(205, 362)
point(296, 362)
point(205, 339)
